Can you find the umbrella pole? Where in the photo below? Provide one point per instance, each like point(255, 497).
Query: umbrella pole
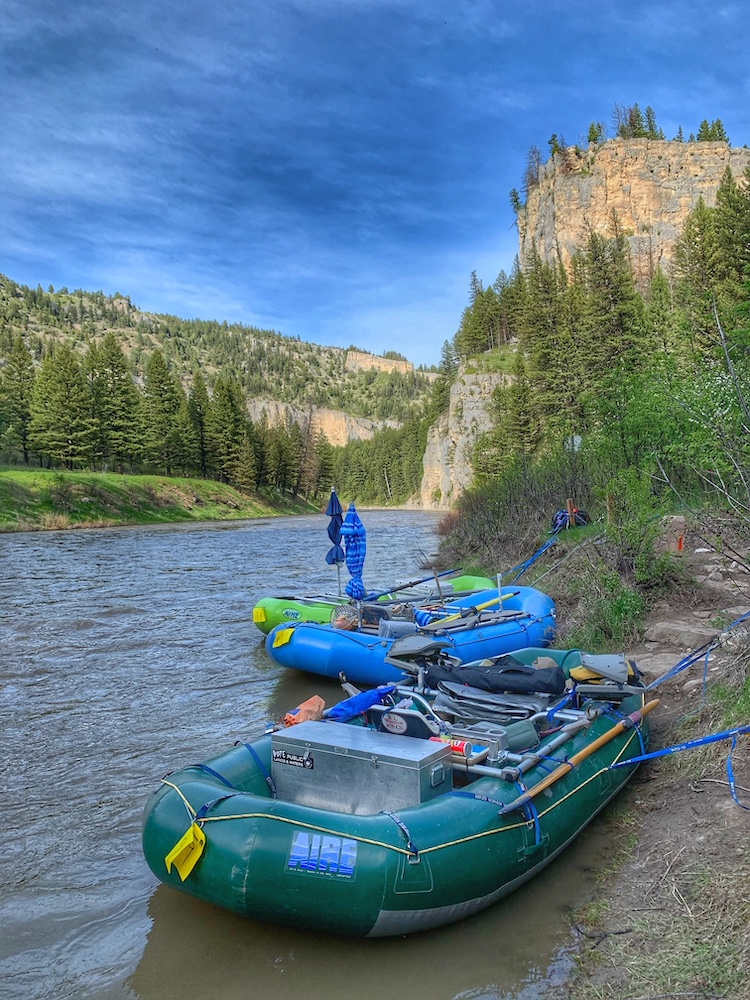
point(338, 573)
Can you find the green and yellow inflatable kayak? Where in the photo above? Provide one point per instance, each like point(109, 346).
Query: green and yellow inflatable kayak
point(286, 609)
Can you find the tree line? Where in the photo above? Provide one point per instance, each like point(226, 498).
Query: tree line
point(90, 412)
point(264, 362)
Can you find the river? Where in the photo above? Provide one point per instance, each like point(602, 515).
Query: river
point(126, 653)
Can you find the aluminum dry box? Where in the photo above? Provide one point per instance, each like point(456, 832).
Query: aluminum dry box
point(350, 769)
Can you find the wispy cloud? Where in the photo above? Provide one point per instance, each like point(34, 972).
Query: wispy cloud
point(331, 168)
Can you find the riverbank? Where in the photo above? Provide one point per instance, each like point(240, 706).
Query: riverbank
point(670, 915)
point(46, 499)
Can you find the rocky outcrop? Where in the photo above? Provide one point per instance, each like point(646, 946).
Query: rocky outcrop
point(652, 186)
point(360, 360)
point(338, 427)
point(447, 459)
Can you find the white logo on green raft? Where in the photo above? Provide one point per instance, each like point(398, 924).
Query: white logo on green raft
point(322, 854)
point(288, 613)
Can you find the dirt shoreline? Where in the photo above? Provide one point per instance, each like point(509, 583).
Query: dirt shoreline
point(670, 918)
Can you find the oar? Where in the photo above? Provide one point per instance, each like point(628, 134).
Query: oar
point(567, 767)
point(480, 607)
point(413, 583)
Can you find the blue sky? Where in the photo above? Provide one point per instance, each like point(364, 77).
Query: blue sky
point(331, 169)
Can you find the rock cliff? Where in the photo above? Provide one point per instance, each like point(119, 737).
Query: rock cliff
point(358, 360)
point(340, 428)
point(651, 185)
point(447, 458)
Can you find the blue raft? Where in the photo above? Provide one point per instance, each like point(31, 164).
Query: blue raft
point(488, 627)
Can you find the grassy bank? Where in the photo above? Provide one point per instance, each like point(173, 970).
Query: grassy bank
point(41, 499)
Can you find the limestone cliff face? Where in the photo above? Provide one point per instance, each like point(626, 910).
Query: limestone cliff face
point(359, 360)
point(338, 427)
point(447, 459)
point(651, 185)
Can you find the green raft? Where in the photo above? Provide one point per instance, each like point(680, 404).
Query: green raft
point(272, 611)
point(407, 817)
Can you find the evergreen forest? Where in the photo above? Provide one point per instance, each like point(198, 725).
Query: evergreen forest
point(623, 394)
point(88, 381)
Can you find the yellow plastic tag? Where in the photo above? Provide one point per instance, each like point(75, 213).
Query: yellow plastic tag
point(259, 614)
point(282, 637)
point(186, 852)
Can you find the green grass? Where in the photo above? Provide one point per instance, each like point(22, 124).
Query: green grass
point(34, 499)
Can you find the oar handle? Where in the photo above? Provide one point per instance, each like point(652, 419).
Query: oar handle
point(480, 607)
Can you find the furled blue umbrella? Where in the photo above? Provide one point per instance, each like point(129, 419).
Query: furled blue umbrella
point(355, 541)
point(335, 555)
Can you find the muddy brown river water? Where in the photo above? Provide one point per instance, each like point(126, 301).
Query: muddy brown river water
point(126, 653)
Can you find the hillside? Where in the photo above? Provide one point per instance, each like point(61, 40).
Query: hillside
point(267, 364)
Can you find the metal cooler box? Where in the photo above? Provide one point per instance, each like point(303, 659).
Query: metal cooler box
point(349, 769)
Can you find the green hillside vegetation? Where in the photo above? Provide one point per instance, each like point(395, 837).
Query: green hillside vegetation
point(264, 363)
point(40, 498)
point(89, 382)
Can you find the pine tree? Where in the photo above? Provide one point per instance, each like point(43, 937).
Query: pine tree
point(718, 132)
point(652, 129)
point(614, 334)
point(226, 427)
point(187, 453)
point(325, 457)
point(162, 399)
point(62, 427)
point(17, 380)
point(244, 476)
point(732, 228)
point(199, 406)
point(115, 405)
point(661, 314)
point(695, 263)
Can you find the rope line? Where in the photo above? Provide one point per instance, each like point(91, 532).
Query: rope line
point(457, 842)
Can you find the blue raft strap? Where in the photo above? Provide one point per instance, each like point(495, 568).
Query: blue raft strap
point(214, 774)
point(549, 764)
point(678, 747)
point(531, 813)
point(414, 855)
point(521, 568)
point(201, 814)
point(730, 776)
point(704, 650)
point(558, 706)
point(261, 767)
